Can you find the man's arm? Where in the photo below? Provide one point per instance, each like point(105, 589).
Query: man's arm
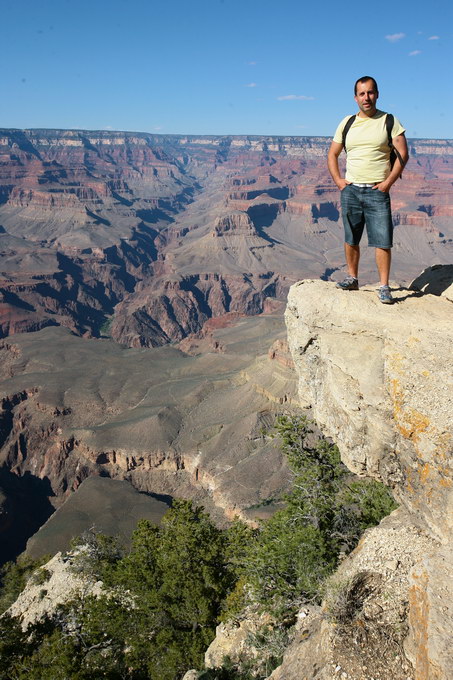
point(400, 144)
point(332, 163)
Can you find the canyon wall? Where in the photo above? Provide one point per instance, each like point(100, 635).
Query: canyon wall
point(379, 381)
point(146, 237)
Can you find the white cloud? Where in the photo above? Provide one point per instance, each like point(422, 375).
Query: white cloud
point(251, 63)
point(250, 85)
point(394, 37)
point(157, 127)
point(287, 97)
point(414, 53)
point(434, 37)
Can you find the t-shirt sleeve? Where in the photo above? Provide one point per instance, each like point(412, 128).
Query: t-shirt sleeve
point(338, 136)
point(397, 128)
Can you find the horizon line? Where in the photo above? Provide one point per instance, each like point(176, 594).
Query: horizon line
point(182, 134)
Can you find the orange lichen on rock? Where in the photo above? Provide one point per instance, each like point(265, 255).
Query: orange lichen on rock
point(410, 422)
point(418, 617)
point(424, 472)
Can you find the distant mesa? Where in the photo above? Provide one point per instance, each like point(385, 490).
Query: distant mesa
point(167, 422)
point(237, 223)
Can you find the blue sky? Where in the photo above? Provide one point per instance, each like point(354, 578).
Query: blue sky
point(264, 67)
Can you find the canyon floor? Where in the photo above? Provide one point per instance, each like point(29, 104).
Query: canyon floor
point(165, 421)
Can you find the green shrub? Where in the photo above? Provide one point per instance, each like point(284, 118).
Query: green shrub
point(14, 577)
point(161, 604)
point(40, 576)
point(95, 554)
point(290, 557)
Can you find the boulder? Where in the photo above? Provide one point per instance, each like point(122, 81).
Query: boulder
point(53, 584)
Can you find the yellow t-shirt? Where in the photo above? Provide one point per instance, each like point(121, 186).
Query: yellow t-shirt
point(368, 153)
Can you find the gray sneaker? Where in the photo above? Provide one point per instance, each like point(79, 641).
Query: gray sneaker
point(385, 295)
point(349, 283)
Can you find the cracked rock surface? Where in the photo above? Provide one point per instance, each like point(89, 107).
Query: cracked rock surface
point(379, 381)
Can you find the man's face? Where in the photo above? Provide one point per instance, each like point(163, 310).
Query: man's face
point(366, 98)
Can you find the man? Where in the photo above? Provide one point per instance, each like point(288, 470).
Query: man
point(365, 189)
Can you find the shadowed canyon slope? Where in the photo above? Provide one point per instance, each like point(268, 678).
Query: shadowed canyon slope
point(168, 422)
point(153, 235)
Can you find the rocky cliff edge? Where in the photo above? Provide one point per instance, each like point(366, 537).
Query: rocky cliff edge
point(379, 381)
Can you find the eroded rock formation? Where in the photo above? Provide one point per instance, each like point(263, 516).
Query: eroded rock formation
point(157, 234)
point(379, 381)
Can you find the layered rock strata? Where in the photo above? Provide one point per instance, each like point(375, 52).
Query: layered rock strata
point(147, 237)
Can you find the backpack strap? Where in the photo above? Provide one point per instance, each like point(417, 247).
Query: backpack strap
point(348, 124)
point(389, 123)
point(394, 153)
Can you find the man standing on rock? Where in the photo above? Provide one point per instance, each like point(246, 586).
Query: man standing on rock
point(368, 138)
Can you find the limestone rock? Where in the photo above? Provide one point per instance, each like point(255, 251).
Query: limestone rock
point(363, 622)
point(191, 675)
point(51, 585)
point(431, 615)
point(233, 639)
point(379, 381)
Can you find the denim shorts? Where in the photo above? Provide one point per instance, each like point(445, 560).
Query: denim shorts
point(362, 206)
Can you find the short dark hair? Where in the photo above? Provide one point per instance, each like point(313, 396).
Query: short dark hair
point(363, 80)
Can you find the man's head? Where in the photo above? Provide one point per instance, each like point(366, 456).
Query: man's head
point(363, 80)
point(366, 94)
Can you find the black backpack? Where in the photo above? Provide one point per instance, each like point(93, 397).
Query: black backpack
point(389, 121)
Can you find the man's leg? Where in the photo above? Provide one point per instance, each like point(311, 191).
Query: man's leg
point(354, 223)
point(383, 261)
point(379, 226)
point(352, 254)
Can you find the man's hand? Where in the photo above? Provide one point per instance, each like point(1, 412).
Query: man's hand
point(332, 164)
point(383, 186)
point(400, 144)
